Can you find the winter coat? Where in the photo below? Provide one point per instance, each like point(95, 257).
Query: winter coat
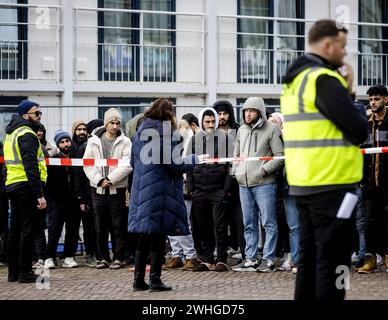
point(118, 176)
point(376, 165)
point(156, 205)
point(261, 140)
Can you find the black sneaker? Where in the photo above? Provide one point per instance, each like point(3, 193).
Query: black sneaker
point(266, 266)
point(28, 277)
point(13, 277)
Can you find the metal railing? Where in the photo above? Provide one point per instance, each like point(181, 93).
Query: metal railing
point(34, 54)
point(266, 61)
point(178, 56)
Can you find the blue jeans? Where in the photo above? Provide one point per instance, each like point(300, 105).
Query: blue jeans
point(254, 200)
point(360, 225)
point(293, 224)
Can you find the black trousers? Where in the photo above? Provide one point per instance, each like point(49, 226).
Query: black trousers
point(3, 226)
point(235, 219)
point(325, 244)
point(376, 229)
point(24, 222)
point(88, 223)
point(111, 214)
point(40, 240)
point(210, 211)
point(60, 213)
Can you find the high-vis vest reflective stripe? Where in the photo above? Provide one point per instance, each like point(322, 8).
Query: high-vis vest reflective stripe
point(13, 160)
point(316, 151)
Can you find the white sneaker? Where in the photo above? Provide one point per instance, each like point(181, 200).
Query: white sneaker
point(49, 263)
point(39, 264)
point(69, 263)
point(237, 256)
point(355, 258)
point(379, 260)
point(286, 266)
point(247, 265)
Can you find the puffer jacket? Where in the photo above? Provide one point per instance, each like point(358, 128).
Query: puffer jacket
point(157, 205)
point(263, 139)
point(117, 175)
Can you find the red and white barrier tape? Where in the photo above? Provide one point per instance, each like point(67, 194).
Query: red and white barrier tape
point(73, 162)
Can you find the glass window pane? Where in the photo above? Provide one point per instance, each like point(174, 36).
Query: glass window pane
point(9, 45)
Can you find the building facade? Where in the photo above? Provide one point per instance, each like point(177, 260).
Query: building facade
point(76, 58)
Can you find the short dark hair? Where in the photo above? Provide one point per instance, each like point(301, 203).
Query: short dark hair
point(377, 90)
point(325, 28)
point(190, 118)
point(208, 113)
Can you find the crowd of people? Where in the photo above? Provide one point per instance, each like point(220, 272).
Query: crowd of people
point(175, 194)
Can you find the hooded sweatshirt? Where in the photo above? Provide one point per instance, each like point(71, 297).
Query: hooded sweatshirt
point(335, 103)
point(225, 105)
point(217, 144)
point(28, 145)
point(261, 139)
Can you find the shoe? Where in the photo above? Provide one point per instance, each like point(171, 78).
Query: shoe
point(221, 267)
point(360, 263)
point(190, 264)
point(203, 266)
point(69, 263)
point(117, 264)
point(38, 265)
point(355, 258)
point(231, 251)
point(286, 266)
point(237, 256)
point(247, 265)
point(90, 261)
point(13, 277)
point(49, 263)
point(3, 264)
point(379, 260)
point(175, 263)
point(386, 262)
point(370, 264)
point(103, 264)
point(156, 285)
point(139, 273)
point(266, 266)
point(28, 277)
point(294, 270)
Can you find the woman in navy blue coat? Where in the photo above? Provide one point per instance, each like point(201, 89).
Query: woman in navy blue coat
point(156, 207)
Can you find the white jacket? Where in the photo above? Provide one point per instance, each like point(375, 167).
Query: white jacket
point(121, 149)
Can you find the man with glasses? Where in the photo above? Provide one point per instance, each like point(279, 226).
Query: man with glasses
point(26, 174)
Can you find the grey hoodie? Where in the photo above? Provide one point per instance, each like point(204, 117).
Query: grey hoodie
point(263, 139)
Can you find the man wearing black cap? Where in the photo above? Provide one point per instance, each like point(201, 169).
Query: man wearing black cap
point(26, 174)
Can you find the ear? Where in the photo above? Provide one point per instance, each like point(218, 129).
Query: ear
point(25, 116)
point(386, 100)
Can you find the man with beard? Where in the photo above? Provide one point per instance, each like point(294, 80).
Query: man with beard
point(374, 184)
point(227, 122)
point(63, 206)
point(26, 174)
point(82, 190)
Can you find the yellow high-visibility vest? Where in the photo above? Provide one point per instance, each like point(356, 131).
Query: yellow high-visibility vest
point(316, 151)
point(13, 158)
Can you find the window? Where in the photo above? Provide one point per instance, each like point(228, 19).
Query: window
point(260, 56)
point(13, 41)
point(373, 60)
point(121, 56)
point(8, 106)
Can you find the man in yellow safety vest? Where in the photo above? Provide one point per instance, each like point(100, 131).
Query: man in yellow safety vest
point(26, 174)
point(322, 132)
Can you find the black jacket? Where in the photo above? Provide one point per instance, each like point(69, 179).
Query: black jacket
point(60, 182)
point(81, 182)
point(376, 164)
point(335, 103)
point(28, 145)
point(211, 176)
